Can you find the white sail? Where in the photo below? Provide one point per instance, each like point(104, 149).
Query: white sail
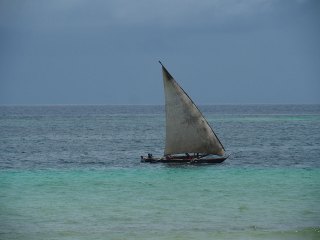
point(187, 131)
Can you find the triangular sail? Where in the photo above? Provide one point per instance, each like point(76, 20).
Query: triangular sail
point(187, 131)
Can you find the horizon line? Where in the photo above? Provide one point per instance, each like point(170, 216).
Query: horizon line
point(146, 104)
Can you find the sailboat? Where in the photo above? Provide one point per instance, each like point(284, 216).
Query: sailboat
point(189, 137)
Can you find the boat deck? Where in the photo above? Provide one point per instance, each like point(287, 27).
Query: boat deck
point(183, 160)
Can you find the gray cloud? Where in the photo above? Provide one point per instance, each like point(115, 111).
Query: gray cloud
point(131, 13)
point(86, 51)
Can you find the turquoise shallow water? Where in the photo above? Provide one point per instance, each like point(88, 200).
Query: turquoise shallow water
point(160, 202)
point(73, 172)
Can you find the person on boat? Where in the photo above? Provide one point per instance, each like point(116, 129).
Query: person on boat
point(149, 155)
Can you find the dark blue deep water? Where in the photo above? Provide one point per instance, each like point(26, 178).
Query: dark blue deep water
point(74, 172)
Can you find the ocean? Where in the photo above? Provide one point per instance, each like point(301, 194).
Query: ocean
point(74, 172)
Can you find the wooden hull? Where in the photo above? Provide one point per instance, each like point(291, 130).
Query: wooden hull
point(184, 160)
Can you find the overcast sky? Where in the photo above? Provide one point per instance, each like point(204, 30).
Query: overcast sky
point(107, 51)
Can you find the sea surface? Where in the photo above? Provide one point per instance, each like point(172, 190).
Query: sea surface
point(74, 172)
